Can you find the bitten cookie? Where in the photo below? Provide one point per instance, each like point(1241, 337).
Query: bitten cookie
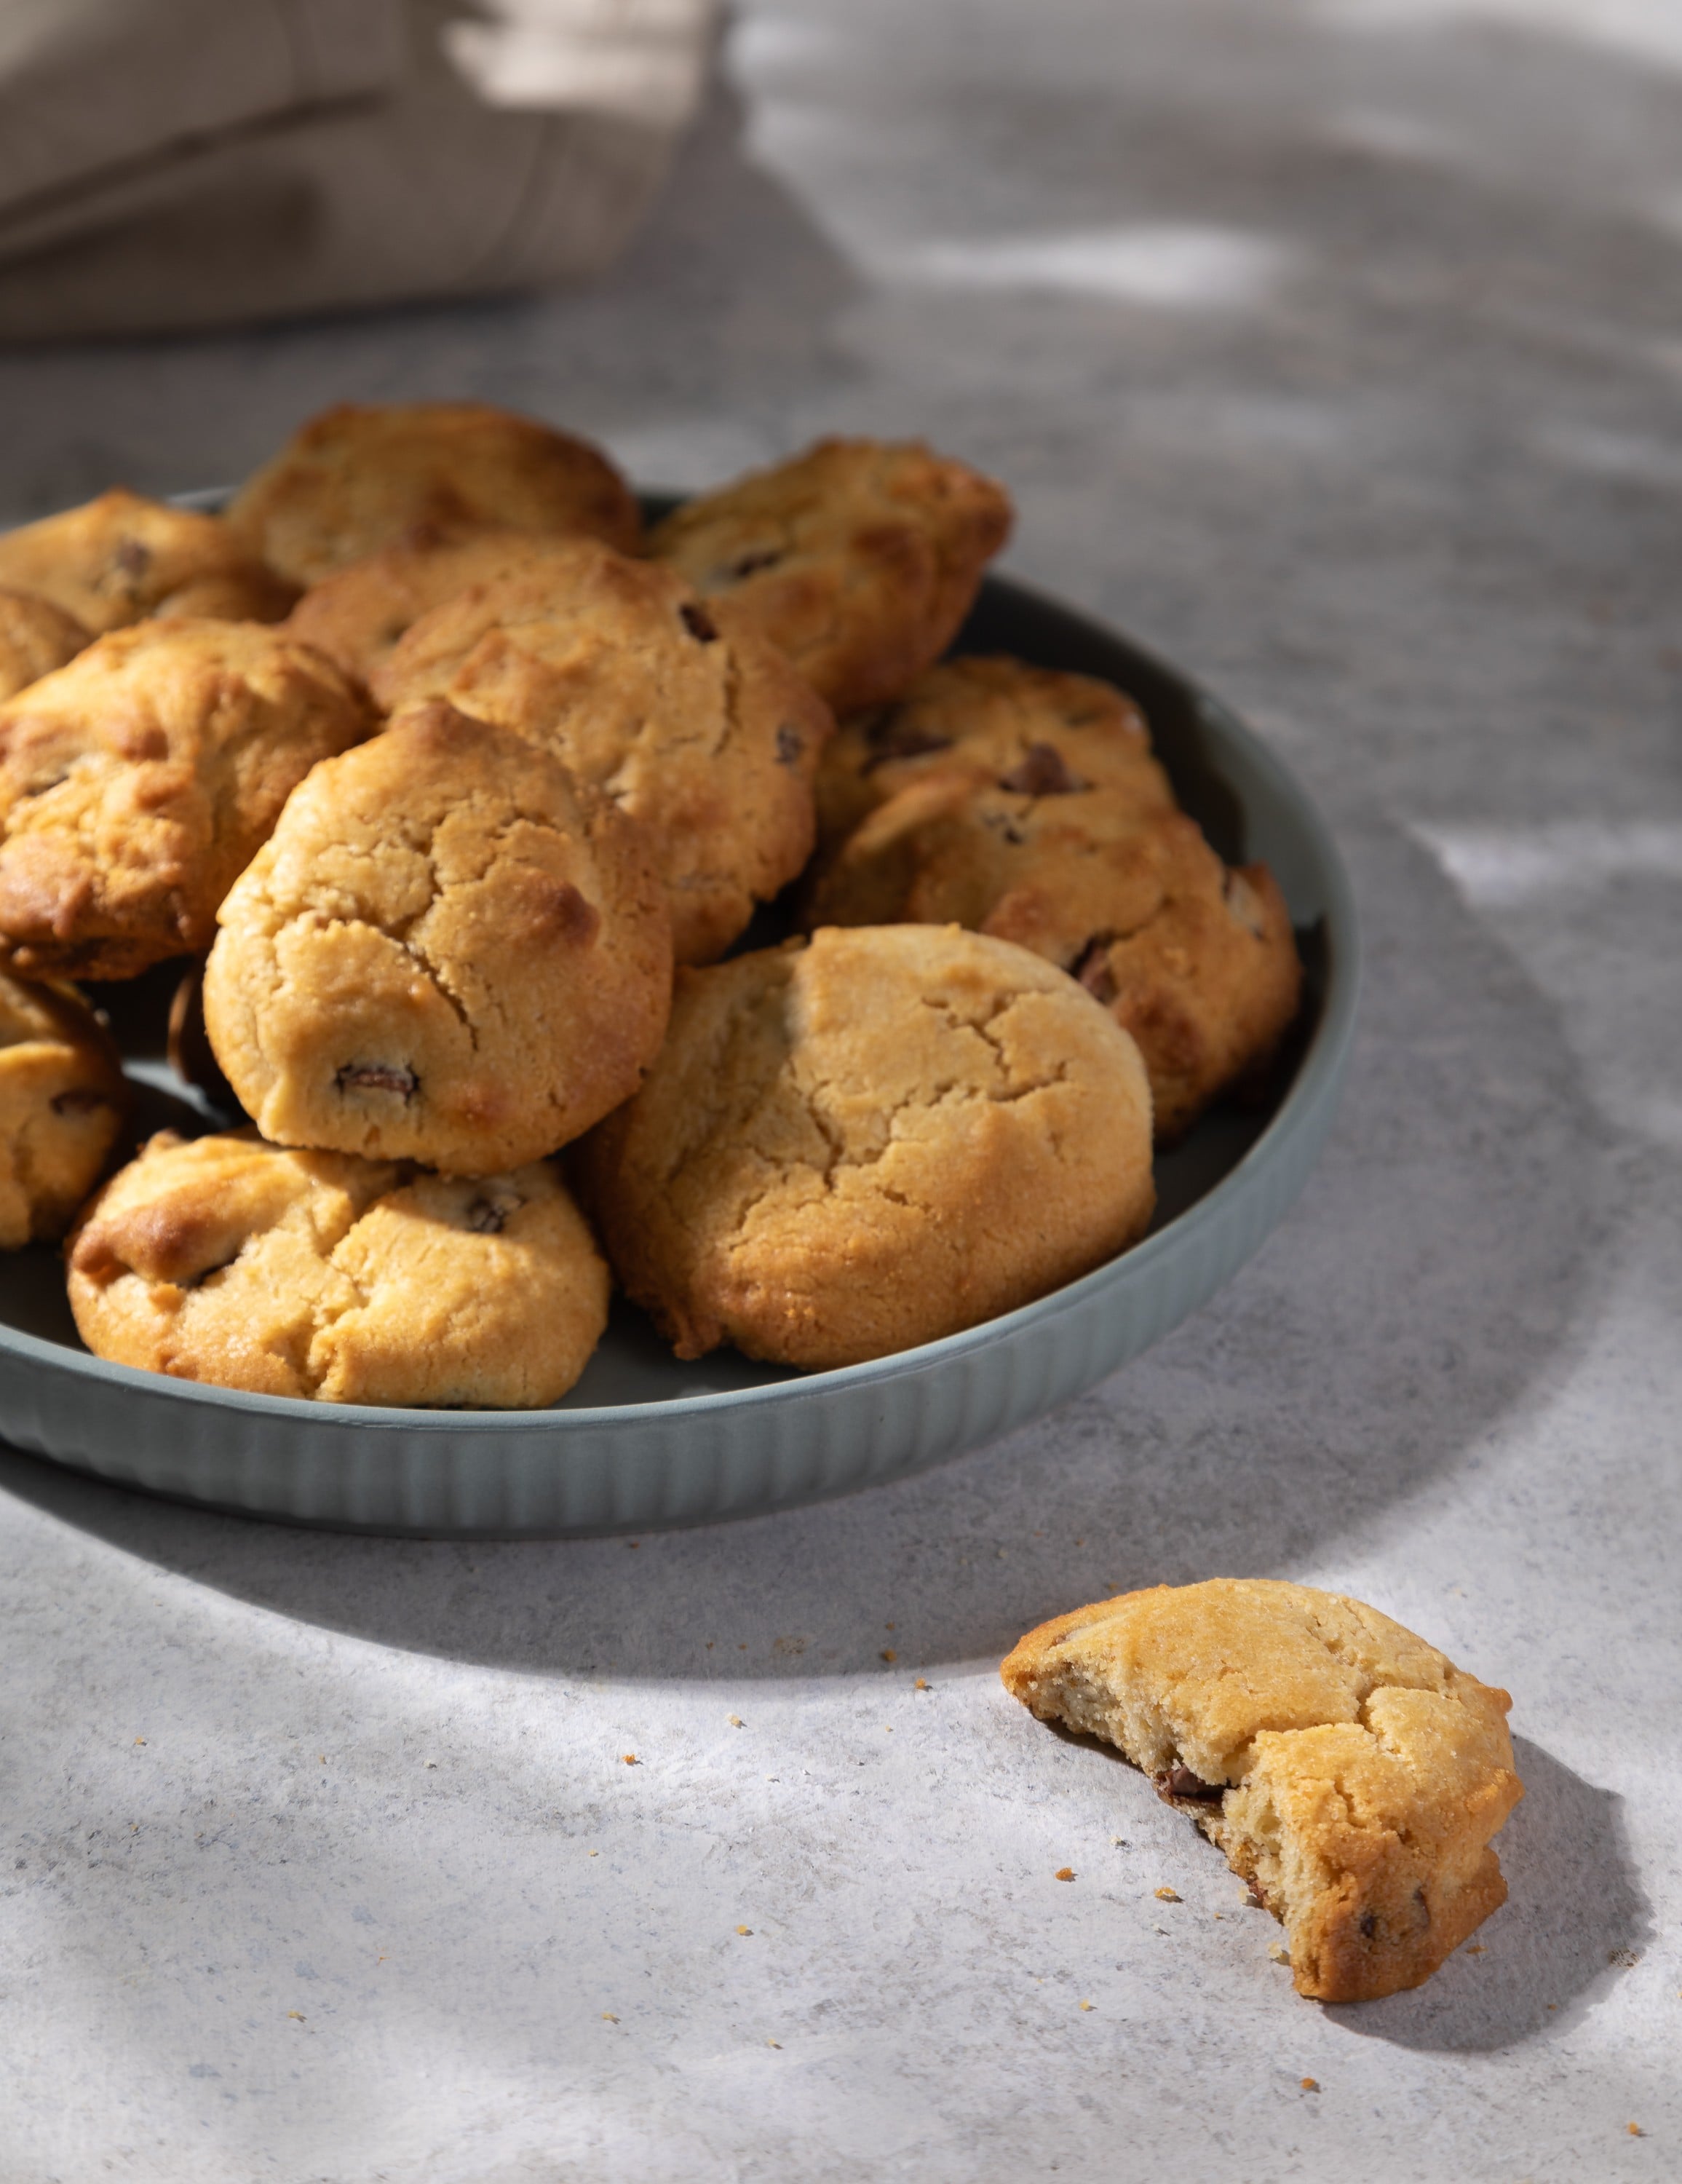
point(1352, 1774)
point(448, 952)
point(62, 1100)
point(1196, 960)
point(136, 784)
point(860, 559)
point(681, 713)
point(307, 1274)
point(35, 637)
point(122, 558)
point(1026, 729)
point(869, 1142)
point(355, 479)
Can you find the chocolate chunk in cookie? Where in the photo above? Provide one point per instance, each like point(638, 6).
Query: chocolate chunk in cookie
point(123, 558)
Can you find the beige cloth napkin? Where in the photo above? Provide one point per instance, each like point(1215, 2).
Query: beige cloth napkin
point(196, 163)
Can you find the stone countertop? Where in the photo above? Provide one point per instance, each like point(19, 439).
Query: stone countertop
point(1334, 350)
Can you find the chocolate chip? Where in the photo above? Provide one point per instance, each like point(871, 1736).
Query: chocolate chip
point(890, 735)
point(1093, 970)
point(377, 1077)
point(1041, 771)
point(751, 564)
point(1178, 1782)
point(78, 1100)
point(790, 743)
point(486, 1219)
point(699, 622)
point(132, 557)
point(1368, 1923)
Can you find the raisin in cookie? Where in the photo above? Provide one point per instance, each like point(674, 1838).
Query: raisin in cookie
point(860, 559)
point(354, 480)
point(449, 952)
point(317, 1274)
point(122, 558)
point(62, 1100)
point(1352, 1774)
point(35, 637)
point(1027, 728)
point(1197, 961)
point(137, 782)
point(680, 712)
point(867, 1143)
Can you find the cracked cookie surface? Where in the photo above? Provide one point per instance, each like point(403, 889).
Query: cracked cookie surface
point(1196, 960)
point(356, 479)
point(449, 951)
point(35, 637)
point(245, 1265)
point(860, 558)
point(63, 1101)
point(137, 782)
point(1352, 1774)
point(123, 559)
point(680, 712)
point(851, 1147)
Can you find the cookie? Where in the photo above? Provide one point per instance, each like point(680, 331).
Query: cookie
point(859, 558)
point(316, 1274)
point(681, 713)
point(1196, 960)
point(63, 1101)
point(448, 952)
point(852, 1147)
point(1352, 1774)
point(1016, 725)
point(355, 480)
point(122, 558)
point(137, 782)
point(35, 637)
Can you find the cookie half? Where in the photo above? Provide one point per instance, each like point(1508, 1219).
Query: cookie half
point(63, 1103)
point(237, 1263)
point(860, 558)
point(1352, 1774)
point(449, 951)
point(852, 1147)
point(123, 558)
point(35, 637)
point(136, 784)
point(357, 479)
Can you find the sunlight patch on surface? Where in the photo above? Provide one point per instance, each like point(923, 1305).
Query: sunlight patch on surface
point(1183, 267)
point(1500, 867)
point(1648, 30)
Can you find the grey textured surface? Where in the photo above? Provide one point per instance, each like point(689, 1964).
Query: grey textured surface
point(1333, 350)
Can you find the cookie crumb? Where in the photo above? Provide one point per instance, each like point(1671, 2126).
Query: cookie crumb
point(607, 2018)
point(744, 1930)
point(1168, 1896)
point(1278, 1953)
point(1086, 2005)
point(920, 1685)
point(631, 1759)
point(773, 2043)
point(1310, 2084)
point(1635, 2130)
point(301, 2019)
point(736, 1721)
point(888, 1653)
point(1064, 1873)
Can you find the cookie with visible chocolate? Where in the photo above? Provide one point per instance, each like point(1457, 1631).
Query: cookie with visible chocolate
point(359, 478)
point(1195, 959)
point(63, 1103)
point(245, 1265)
point(1352, 1774)
point(676, 708)
point(852, 1147)
point(449, 951)
point(860, 558)
point(123, 559)
point(35, 637)
point(137, 782)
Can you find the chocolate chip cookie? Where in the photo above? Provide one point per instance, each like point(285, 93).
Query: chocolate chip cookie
point(852, 1147)
point(35, 637)
point(283, 1272)
point(449, 951)
point(676, 709)
point(63, 1101)
point(357, 479)
point(1352, 1774)
point(122, 558)
point(860, 558)
point(137, 782)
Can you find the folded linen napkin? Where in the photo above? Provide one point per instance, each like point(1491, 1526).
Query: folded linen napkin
point(194, 163)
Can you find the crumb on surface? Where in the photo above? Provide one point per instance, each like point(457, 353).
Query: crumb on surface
point(920, 1685)
point(631, 1759)
point(607, 2018)
point(1064, 1873)
point(736, 1721)
point(1311, 2084)
point(888, 1653)
point(1168, 1896)
point(1086, 2005)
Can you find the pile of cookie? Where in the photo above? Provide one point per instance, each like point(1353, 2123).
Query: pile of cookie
point(461, 789)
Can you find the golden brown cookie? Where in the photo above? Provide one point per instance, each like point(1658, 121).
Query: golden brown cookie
point(63, 1101)
point(680, 712)
point(449, 951)
point(35, 637)
point(137, 782)
point(355, 480)
point(1196, 960)
point(307, 1274)
point(860, 558)
point(1018, 726)
point(121, 558)
point(870, 1142)
point(1352, 1774)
